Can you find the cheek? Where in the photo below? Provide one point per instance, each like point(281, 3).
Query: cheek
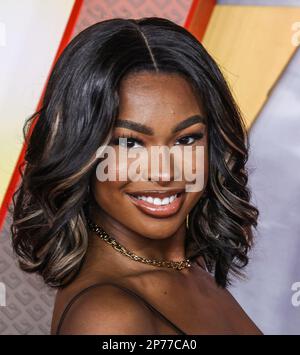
point(107, 193)
point(196, 168)
point(192, 199)
point(109, 177)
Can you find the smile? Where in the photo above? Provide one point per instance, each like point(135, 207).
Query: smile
point(158, 204)
point(158, 201)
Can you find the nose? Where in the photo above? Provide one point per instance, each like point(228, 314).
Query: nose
point(161, 166)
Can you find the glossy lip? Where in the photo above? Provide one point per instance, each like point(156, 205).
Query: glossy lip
point(160, 211)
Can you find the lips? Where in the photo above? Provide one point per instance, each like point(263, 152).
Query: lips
point(159, 204)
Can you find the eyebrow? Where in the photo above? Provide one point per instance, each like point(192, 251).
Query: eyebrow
point(135, 126)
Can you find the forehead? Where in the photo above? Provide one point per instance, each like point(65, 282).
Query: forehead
point(154, 97)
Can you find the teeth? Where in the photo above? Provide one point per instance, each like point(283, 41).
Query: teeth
point(149, 199)
point(165, 201)
point(157, 201)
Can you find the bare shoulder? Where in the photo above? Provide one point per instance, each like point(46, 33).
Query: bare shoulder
point(245, 324)
point(107, 309)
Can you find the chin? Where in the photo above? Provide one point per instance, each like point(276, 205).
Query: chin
point(156, 230)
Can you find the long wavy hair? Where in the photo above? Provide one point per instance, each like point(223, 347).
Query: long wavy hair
point(81, 101)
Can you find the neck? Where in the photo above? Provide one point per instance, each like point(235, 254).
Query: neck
point(171, 248)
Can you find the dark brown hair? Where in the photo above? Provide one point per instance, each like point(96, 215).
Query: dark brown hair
point(81, 101)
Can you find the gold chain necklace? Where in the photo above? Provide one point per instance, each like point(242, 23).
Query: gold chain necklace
point(178, 265)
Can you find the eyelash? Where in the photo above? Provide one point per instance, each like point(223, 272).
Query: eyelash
point(115, 141)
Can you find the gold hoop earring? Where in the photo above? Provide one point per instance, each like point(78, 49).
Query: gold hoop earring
point(187, 221)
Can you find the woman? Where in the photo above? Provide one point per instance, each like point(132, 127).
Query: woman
point(136, 256)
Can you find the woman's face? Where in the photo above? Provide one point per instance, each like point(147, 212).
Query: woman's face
point(155, 110)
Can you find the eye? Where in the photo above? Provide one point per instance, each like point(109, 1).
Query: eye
point(190, 139)
point(130, 142)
